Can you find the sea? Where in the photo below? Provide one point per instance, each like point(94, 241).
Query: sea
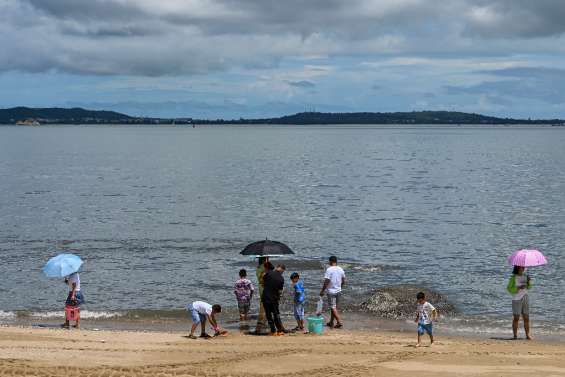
point(160, 214)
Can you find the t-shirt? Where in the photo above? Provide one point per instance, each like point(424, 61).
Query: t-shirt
point(243, 289)
point(202, 307)
point(520, 280)
point(273, 285)
point(73, 279)
point(335, 274)
point(299, 296)
point(425, 313)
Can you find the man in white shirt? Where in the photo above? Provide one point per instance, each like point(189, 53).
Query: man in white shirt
point(201, 311)
point(334, 279)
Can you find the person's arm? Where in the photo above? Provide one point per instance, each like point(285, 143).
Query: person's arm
point(325, 286)
point(511, 287)
point(528, 282)
point(73, 291)
point(417, 316)
point(213, 323)
point(342, 281)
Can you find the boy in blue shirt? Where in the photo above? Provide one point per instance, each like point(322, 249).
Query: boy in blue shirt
point(298, 299)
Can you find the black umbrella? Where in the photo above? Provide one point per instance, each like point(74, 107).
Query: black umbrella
point(266, 248)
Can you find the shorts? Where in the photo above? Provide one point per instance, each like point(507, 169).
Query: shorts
point(333, 300)
point(299, 311)
point(196, 316)
point(422, 328)
point(521, 307)
point(243, 307)
point(79, 299)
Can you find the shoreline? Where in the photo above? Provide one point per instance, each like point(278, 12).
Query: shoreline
point(354, 321)
point(46, 352)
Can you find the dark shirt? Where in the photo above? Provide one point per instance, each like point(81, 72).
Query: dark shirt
point(273, 285)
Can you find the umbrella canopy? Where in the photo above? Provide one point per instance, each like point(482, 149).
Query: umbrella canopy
point(62, 265)
point(266, 248)
point(527, 258)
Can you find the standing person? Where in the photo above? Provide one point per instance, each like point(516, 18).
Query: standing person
point(518, 287)
point(200, 312)
point(425, 314)
point(260, 273)
point(243, 290)
point(334, 279)
point(74, 298)
point(298, 297)
point(273, 286)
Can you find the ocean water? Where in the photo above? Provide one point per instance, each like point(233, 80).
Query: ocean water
point(160, 213)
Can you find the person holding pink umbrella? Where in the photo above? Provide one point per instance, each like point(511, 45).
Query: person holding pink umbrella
point(519, 284)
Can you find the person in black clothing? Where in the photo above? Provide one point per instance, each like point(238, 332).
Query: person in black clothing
point(273, 286)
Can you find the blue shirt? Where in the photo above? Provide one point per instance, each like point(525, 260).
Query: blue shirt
point(299, 292)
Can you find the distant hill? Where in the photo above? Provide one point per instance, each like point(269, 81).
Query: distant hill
point(60, 115)
point(77, 115)
point(415, 117)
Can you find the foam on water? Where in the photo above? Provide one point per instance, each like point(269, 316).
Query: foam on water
point(85, 314)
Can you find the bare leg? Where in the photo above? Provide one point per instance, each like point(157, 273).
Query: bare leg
point(202, 327)
point(515, 321)
point(77, 324)
point(527, 326)
point(419, 338)
point(193, 328)
point(431, 339)
point(335, 315)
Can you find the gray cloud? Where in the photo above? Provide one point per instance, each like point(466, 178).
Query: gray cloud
point(150, 38)
point(540, 83)
point(516, 18)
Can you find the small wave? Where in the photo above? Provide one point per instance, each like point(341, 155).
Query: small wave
point(7, 315)
point(85, 314)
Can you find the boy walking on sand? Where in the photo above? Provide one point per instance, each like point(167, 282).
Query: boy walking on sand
point(200, 312)
point(298, 299)
point(243, 290)
point(425, 315)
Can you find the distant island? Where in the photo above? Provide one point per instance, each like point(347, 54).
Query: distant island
point(55, 115)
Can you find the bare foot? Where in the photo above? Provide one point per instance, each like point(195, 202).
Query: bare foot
point(529, 337)
point(418, 345)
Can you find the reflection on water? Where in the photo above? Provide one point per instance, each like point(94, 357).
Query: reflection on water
point(161, 213)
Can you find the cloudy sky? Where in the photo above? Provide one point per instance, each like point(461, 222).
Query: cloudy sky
point(252, 58)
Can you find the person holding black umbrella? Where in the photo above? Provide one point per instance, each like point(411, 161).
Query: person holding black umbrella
point(272, 291)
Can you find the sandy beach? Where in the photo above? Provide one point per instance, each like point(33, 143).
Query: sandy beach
point(54, 352)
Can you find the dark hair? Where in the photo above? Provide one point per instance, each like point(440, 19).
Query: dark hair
point(260, 260)
point(281, 266)
point(294, 275)
point(242, 273)
point(420, 295)
point(333, 259)
point(516, 269)
point(270, 266)
point(217, 308)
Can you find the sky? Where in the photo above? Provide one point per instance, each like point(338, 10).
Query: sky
point(263, 58)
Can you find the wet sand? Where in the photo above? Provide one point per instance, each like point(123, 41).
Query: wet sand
point(54, 352)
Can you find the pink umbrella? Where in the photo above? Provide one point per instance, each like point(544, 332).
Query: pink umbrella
point(527, 258)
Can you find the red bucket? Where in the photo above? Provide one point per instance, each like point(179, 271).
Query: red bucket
point(71, 313)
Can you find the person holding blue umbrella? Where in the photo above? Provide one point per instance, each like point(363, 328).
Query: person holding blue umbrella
point(67, 266)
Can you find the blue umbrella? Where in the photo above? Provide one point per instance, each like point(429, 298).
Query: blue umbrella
point(62, 265)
